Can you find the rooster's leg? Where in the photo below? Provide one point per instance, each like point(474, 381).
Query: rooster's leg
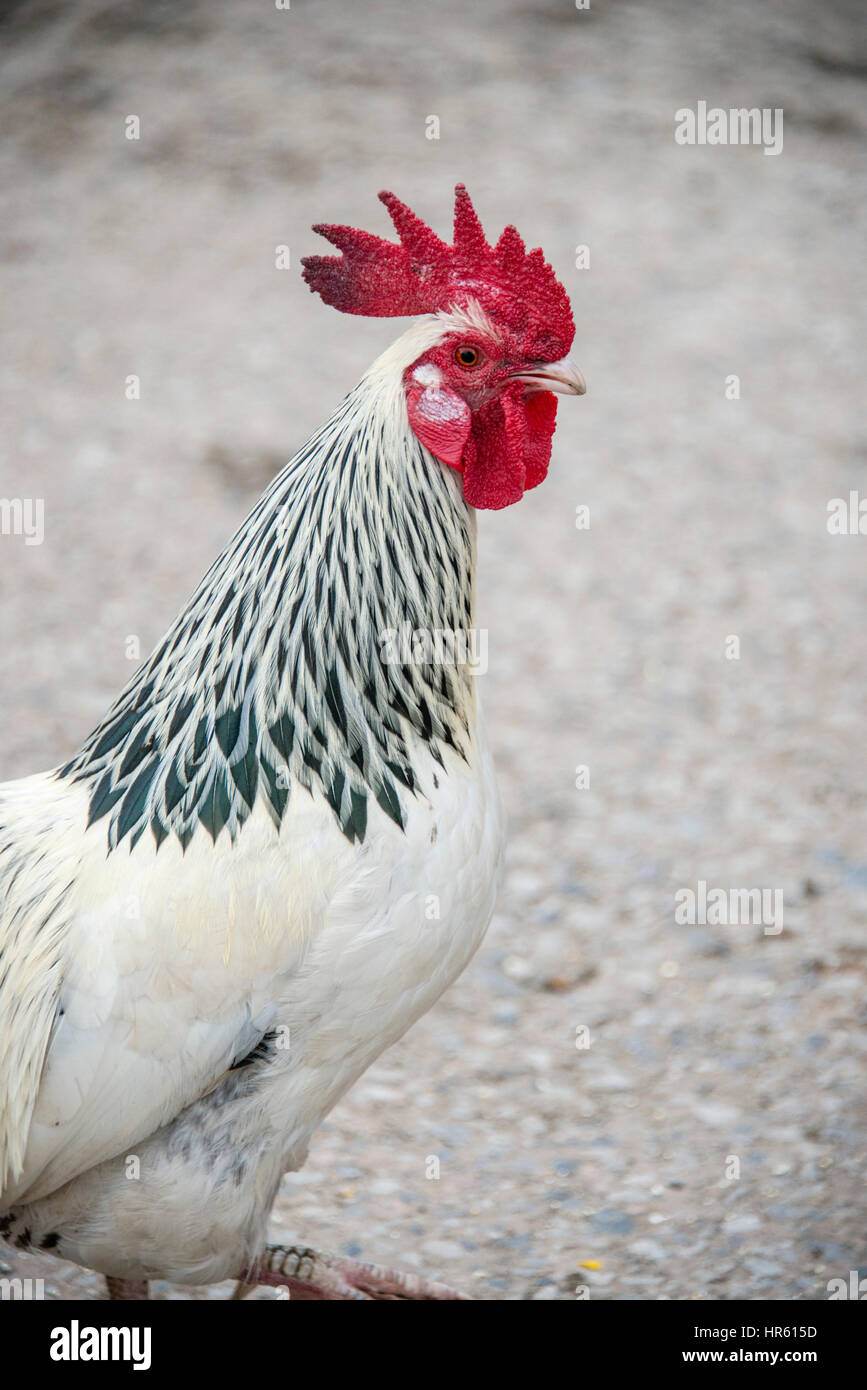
point(309, 1275)
point(126, 1288)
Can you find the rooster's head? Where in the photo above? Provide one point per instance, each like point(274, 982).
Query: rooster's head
point(479, 396)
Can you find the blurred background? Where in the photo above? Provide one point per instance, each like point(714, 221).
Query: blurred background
point(606, 1166)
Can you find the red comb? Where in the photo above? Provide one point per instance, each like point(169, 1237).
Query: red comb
point(422, 274)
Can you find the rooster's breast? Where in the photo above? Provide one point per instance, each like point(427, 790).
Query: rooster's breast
point(410, 912)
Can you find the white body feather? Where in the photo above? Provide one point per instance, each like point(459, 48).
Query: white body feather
point(164, 970)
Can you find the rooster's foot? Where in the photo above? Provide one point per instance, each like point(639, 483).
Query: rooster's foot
point(309, 1275)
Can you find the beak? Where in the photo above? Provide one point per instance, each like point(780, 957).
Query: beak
point(562, 376)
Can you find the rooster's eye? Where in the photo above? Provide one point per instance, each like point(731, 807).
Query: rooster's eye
point(467, 356)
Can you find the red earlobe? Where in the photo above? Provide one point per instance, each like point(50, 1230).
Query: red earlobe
point(441, 419)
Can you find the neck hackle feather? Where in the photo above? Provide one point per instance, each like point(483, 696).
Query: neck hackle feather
point(272, 677)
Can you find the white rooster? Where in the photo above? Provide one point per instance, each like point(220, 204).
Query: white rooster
point(212, 919)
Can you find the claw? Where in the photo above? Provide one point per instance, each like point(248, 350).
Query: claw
point(311, 1276)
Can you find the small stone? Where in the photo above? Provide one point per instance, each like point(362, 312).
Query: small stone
point(740, 1224)
point(761, 1268)
point(613, 1222)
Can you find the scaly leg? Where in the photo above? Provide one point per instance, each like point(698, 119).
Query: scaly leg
point(310, 1275)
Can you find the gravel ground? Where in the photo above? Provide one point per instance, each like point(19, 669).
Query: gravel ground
point(709, 1142)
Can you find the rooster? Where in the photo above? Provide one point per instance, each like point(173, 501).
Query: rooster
point(213, 918)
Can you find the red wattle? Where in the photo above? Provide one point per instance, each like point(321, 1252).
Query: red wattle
point(540, 410)
point(509, 447)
